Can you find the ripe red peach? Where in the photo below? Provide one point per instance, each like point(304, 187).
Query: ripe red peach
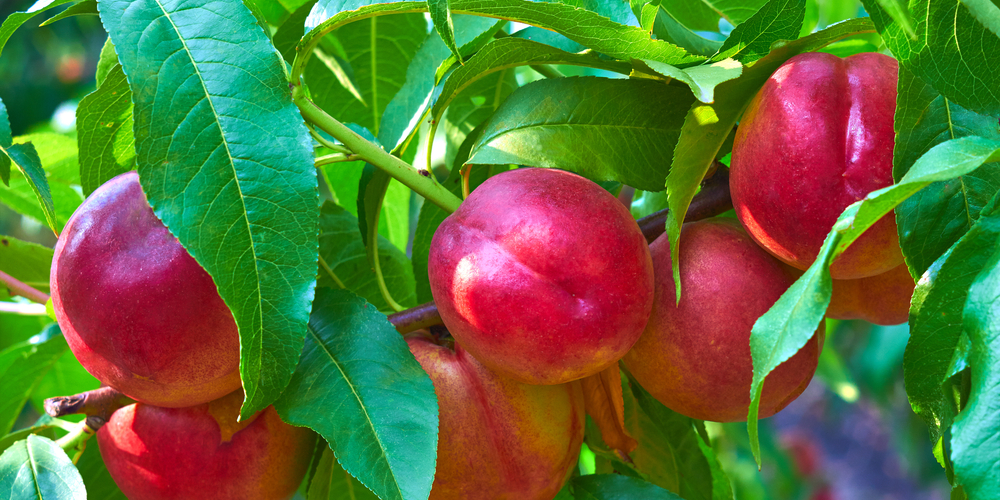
point(542, 275)
point(498, 438)
point(694, 357)
point(158, 453)
point(816, 138)
point(136, 309)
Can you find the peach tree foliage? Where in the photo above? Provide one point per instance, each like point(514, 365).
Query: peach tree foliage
point(279, 141)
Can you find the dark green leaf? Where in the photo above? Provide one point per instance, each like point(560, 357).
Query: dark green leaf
point(707, 127)
point(599, 128)
point(38, 469)
point(702, 79)
point(343, 252)
point(953, 51)
point(776, 20)
point(705, 15)
point(935, 218)
point(57, 154)
point(975, 436)
point(22, 366)
point(6, 139)
point(936, 324)
point(471, 108)
point(790, 323)
point(617, 487)
point(95, 475)
point(362, 390)
point(583, 26)
point(104, 132)
point(291, 31)
point(332, 482)
point(404, 113)
point(376, 51)
point(371, 193)
point(84, 8)
point(665, 27)
point(15, 20)
point(441, 17)
point(252, 223)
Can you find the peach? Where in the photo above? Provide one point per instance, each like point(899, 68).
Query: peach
point(157, 453)
point(498, 438)
point(694, 357)
point(883, 299)
point(542, 275)
point(816, 138)
point(136, 309)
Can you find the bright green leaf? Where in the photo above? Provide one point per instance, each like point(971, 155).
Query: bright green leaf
point(599, 128)
point(95, 475)
point(106, 62)
point(57, 154)
point(665, 27)
point(359, 386)
point(27, 262)
point(22, 366)
point(702, 79)
point(84, 8)
point(441, 17)
point(776, 20)
point(27, 161)
point(38, 469)
point(704, 15)
point(15, 20)
point(252, 222)
point(897, 11)
point(104, 132)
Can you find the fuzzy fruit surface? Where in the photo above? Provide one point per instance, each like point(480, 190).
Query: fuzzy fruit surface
point(136, 309)
point(498, 439)
point(883, 299)
point(158, 453)
point(694, 357)
point(542, 275)
point(816, 138)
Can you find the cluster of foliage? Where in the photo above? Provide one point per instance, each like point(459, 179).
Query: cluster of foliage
point(243, 117)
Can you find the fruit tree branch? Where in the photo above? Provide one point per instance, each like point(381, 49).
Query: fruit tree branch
point(97, 404)
point(18, 288)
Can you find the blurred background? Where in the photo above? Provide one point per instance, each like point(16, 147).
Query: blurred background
point(851, 435)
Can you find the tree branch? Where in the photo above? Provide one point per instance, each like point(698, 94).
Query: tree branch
point(97, 404)
point(18, 288)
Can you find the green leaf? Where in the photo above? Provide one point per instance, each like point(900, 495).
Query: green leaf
point(897, 11)
point(27, 161)
point(583, 26)
point(6, 140)
point(376, 50)
point(252, 223)
point(332, 482)
point(403, 115)
point(669, 450)
point(470, 109)
point(107, 61)
point(705, 15)
point(618, 12)
point(44, 426)
point(38, 469)
point(359, 386)
point(96, 477)
point(702, 79)
point(617, 487)
point(975, 436)
point(666, 27)
point(344, 254)
point(986, 13)
point(291, 31)
point(790, 323)
point(936, 324)
point(27, 262)
point(84, 8)
point(935, 218)
point(441, 17)
point(22, 366)
point(776, 20)
point(708, 126)
point(15, 20)
point(104, 132)
point(600, 128)
point(57, 154)
point(953, 51)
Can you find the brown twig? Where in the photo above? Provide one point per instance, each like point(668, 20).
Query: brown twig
point(415, 318)
point(97, 404)
point(18, 288)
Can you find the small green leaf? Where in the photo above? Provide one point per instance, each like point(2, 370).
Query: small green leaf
point(790, 323)
point(27, 161)
point(84, 8)
point(441, 17)
point(599, 128)
point(702, 79)
point(106, 62)
point(104, 132)
point(707, 127)
point(953, 50)
point(38, 469)
point(776, 20)
point(666, 27)
point(252, 222)
point(617, 487)
point(22, 366)
point(15, 20)
point(359, 386)
point(975, 436)
point(332, 482)
point(57, 154)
